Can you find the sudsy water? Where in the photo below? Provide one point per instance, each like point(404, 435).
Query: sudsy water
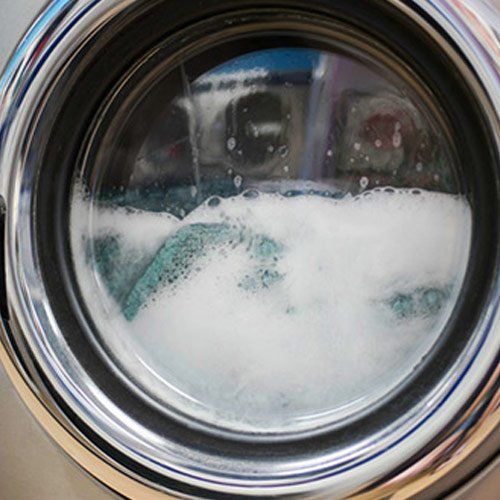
point(271, 313)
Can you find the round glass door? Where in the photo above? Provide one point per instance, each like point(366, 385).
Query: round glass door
point(272, 241)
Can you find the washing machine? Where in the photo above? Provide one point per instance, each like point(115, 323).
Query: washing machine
point(250, 249)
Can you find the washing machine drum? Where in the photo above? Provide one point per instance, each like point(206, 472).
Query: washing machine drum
point(251, 248)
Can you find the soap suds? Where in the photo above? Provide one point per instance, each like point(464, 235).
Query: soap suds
point(346, 305)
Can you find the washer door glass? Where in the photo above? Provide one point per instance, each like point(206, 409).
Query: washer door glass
point(273, 242)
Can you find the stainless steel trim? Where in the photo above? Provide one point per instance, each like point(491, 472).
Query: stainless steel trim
point(57, 34)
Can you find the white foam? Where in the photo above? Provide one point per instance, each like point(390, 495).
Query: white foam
point(316, 346)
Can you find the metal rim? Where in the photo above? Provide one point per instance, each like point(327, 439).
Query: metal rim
point(17, 88)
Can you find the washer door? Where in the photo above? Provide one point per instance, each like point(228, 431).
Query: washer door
point(252, 248)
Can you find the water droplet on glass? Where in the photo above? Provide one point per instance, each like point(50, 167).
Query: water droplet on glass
point(237, 181)
point(254, 129)
point(231, 143)
point(397, 139)
point(283, 151)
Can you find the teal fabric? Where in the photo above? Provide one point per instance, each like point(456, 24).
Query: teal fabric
point(132, 279)
point(118, 265)
point(421, 302)
point(174, 261)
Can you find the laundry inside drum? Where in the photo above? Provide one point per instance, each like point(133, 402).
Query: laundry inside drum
point(272, 245)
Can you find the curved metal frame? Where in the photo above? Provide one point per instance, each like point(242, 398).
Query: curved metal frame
point(24, 84)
